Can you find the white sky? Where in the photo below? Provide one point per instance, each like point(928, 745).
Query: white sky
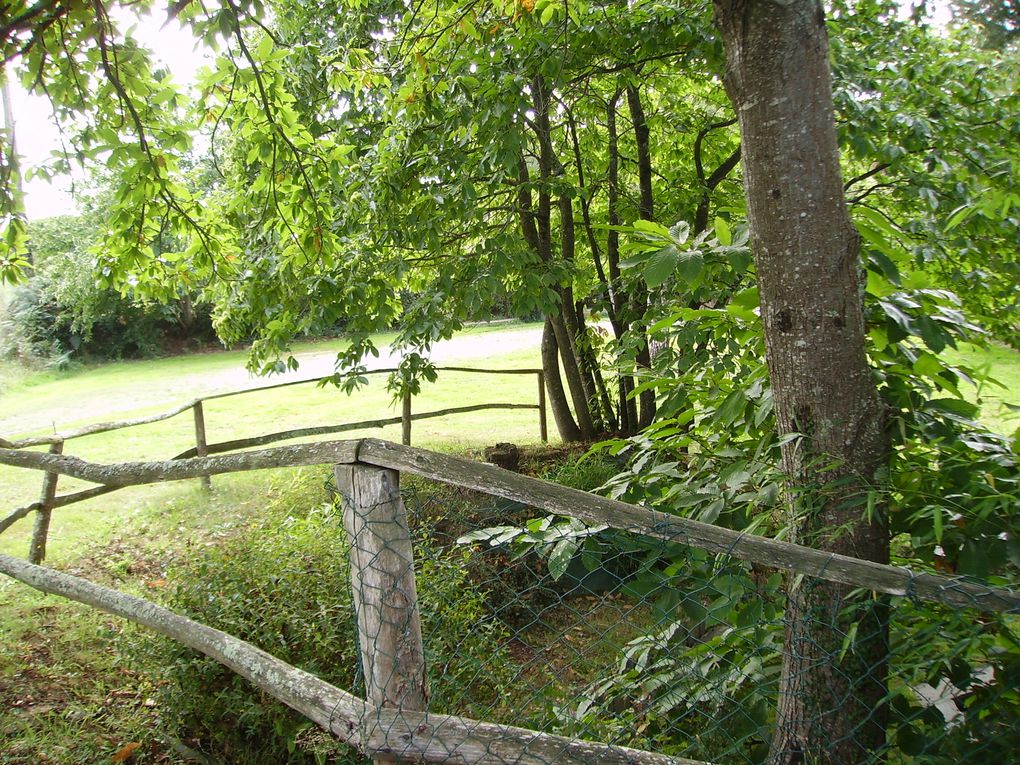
point(174, 47)
point(37, 136)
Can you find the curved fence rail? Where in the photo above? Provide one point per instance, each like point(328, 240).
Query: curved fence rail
point(393, 720)
point(49, 499)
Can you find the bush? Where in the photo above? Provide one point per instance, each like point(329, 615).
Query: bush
point(27, 330)
point(283, 586)
point(63, 312)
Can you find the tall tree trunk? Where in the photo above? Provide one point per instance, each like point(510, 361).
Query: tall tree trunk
point(627, 407)
point(572, 371)
point(574, 321)
point(548, 165)
point(642, 137)
point(639, 297)
point(608, 414)
point(564, 420)
point(831, 706)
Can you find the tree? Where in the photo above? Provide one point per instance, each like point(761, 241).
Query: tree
point(998, 20)
point(806, 255)
point(444, 157)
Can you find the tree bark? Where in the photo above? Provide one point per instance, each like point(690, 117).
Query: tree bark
point(639, 296)
point(565, 423)
point(627, 407)
point(576, 328)
point(572, 372)
point(536, 227)
point(709, 183)
point(831, 706)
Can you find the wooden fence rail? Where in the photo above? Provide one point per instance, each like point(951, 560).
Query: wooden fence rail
point(393, 723)
point(551, 497)
point(202, 448)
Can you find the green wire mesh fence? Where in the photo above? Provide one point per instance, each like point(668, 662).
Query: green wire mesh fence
point(607, 635)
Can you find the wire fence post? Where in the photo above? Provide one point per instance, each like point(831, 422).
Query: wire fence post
point(383, 585)
point(543, 425)
point(37, 552)
point(405, 419)
point(201, 446)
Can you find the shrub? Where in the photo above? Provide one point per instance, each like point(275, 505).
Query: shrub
point(283, 586)
point(27, 329)
point(64, 312)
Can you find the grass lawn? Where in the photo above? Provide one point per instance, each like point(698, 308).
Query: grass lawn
point(1003, 365)
point(148, 387)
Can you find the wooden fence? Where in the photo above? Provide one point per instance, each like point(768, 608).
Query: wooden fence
point(392, 722)
point(49, 500)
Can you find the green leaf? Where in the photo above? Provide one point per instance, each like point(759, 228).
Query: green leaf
point(265, 47)
point(933, 335)
point(731, 408)
point(928, 365)
point(960, 214)
point(689, 267)
point(660, 266)
point(560, 557)
point(722, 232)
point(680, 233)
point(744, 304)
point(848, 640)
point(953, 406)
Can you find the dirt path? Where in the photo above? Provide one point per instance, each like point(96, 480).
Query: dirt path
point(463, 348)
point(67, 402)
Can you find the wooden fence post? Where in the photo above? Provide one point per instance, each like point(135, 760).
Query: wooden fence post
point(201, 449)
point(543, 425)
point(405, 419)
point(383, 584)
point(37, 552)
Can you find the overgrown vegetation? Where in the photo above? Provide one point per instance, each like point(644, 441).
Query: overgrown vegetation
point(283, 585)
point(63, 313)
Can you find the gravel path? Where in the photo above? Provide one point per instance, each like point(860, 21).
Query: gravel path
point(63, 407)
point(461, 349)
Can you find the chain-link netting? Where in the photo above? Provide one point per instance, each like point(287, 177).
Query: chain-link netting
point(600, 634)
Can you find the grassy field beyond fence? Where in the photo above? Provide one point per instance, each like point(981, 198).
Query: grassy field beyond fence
point(60, 402)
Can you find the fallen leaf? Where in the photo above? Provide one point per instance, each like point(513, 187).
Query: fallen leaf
point(126, 752)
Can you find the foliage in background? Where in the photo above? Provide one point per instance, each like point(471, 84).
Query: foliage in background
point(997, 20)
point(377, 169)
point(929, 130)
point(64, 313)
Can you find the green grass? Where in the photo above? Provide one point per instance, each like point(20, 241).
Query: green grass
point(1003, 366)
point(67, 694)
point(147, 387)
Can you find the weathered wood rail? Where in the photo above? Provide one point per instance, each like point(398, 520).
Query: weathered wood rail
point(547, 496)
point(49, 499)
point(380, 732)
